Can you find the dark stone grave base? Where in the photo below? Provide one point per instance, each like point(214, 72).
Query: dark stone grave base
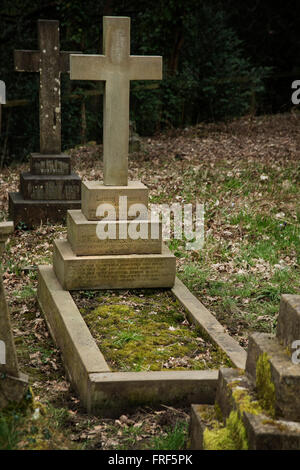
point(32, 212)
point(50, 187)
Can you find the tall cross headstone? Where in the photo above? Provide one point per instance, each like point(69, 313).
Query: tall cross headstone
point(2, 99)
point(12, 382)
point(50, 62)
point(116, 67)
point(50, 189)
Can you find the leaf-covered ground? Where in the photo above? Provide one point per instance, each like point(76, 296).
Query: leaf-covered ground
point(247, 173)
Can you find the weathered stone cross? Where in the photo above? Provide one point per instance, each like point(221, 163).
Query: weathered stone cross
point(50, 63)
point(116, 67)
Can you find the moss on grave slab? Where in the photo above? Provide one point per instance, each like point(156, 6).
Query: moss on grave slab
point(148, 331)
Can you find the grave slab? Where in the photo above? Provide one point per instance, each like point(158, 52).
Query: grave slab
point(104, 392)
point(112, 271)
point(95, 193)
point(83, 236)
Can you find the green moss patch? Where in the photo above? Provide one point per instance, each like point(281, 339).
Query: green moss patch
point(265, 386)
point(146, 330)
point(232, 436)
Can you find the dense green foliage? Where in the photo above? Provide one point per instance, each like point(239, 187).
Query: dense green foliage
point(207, 72)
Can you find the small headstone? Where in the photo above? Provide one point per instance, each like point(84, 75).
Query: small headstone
point(13, 384)
point(50, 189)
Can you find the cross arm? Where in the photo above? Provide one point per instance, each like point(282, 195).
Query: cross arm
point(27, 61)
point(87, 67)
point(64, 60)
point(145, 67)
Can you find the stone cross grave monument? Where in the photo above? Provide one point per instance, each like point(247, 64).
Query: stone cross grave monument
point(50, 188)
point(13, 383)
point(107, 247)
point(2, 99)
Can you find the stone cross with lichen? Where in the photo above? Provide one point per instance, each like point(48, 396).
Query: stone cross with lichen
point(50, 62)
point(116, 67)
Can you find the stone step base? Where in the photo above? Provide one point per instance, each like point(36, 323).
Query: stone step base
point(84, 236)
point(32, 213)
point(12, 389)
point(207, 432)
point(284, 374)
point(50, 187)
point(288, 323)
point(112, 271)
point(50, 164)
point(235, 391)
point(95, 193)
point(202, 417)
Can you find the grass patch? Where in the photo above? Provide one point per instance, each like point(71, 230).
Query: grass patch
point(174, 439)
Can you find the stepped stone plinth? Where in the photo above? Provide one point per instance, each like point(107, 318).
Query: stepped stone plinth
point(259, 408)
point(111, 242)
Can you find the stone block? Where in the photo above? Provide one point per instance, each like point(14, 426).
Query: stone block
point(112, 271)
point(12, 389)
point(288, 323)
point(198, 425)
point(268, 434)
point(228, 380)
point(32, 213)
point(58, 165)
point(49, 187)
point(114, 393)
point(84, 239)
point(284, 374)
point(95, 193)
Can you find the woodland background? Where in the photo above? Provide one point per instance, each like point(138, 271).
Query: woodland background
point(222, 59)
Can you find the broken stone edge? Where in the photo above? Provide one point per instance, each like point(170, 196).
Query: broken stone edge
point(111, 393)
